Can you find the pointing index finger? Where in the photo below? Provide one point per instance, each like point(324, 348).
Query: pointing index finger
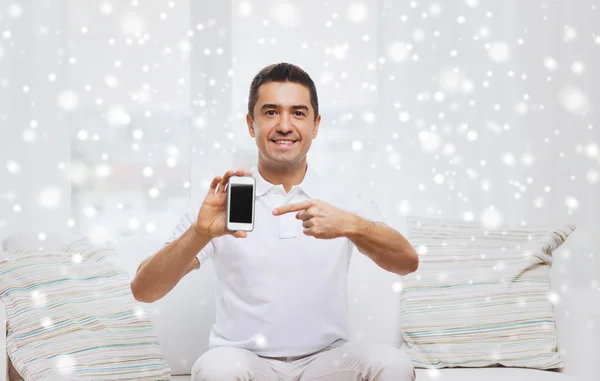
point(292, 207)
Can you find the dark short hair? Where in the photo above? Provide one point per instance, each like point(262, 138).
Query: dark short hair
point(282, 72)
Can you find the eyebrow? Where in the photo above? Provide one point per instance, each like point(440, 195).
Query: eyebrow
point(272, 105)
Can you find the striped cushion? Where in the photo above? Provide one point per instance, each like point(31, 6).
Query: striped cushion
point(72, 318)
point(480, 297)
point(104, 253)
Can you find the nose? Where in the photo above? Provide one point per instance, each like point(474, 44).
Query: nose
point(285, 123)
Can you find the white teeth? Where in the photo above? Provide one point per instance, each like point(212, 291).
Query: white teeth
point(284, 141)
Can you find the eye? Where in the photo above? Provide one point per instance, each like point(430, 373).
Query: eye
point(270, 111)
point(299, 113)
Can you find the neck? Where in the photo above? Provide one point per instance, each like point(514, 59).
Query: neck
point(288, 175)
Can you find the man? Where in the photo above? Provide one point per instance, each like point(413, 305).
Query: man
point(281, 289)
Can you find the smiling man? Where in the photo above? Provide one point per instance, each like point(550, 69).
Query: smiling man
point(281, 289)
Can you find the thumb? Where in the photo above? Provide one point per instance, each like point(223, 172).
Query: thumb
point(239, 234)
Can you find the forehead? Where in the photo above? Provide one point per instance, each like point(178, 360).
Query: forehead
point(283, 93)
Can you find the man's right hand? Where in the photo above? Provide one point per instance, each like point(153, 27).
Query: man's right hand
point(212, 217)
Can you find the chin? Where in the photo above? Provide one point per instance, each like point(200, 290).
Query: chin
point(284, 161)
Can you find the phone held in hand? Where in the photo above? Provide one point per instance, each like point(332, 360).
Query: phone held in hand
point(240, 203)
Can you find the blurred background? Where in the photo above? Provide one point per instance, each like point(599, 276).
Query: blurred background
point(115, 115)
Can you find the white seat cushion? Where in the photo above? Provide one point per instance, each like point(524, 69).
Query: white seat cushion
point(181, 378)
point(490, 374)
point(464, 374)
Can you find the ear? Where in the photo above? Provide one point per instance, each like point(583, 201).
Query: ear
point(316, 128)
point(250, 124)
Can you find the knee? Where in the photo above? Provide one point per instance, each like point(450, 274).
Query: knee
point(397, 365)
point(219, 364)
point(390, 364)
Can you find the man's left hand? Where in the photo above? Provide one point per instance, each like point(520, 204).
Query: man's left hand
point(320, 219)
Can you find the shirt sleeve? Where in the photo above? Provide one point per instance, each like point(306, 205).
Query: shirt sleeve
point(184, 224)
point(365, 207)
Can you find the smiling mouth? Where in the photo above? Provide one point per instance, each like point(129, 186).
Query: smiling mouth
point(284, 143)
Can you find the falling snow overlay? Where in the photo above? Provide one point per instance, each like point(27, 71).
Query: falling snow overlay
point(115, 116)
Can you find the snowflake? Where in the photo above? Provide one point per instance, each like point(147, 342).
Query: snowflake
point(574, 100)
point(491, 218)
point(50, 197)
point(577, 67)
point(65, 364)
point(68, 100)
point(357, 12)
point(399, 51)
point(286, 15)
point(499, 51)
point(430, 141)
point(117, 116)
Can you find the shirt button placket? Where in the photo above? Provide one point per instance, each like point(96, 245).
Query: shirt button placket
point(287, 221)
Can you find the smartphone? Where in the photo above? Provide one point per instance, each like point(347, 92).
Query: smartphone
point(241, 192)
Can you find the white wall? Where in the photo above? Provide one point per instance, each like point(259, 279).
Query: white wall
point(457, 106)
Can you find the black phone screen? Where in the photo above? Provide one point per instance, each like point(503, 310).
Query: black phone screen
point(240, 207)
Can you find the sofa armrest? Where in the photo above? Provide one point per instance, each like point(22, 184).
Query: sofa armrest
point(578, 327)
point(4, 376)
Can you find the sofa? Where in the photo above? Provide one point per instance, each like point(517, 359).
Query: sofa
point(183, 318)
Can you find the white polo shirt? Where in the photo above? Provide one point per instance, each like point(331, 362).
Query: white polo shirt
point(280, 292)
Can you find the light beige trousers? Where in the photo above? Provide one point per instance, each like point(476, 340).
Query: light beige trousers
point(341, 361)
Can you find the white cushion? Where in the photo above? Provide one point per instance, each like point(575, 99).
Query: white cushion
point(83, 313)
point(480, 297)
point(490, 374)
point(464, 374)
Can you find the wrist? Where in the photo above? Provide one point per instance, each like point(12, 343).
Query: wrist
point(354, 226)
point(200, 233)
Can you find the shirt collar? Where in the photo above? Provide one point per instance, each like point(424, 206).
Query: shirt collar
point(312, 184)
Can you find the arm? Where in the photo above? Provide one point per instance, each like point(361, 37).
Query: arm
point(194, 264)
point(158, 274)
point(384, 245)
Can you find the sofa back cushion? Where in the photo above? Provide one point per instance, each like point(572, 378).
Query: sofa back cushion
point(71, 315)
point(481, 297)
